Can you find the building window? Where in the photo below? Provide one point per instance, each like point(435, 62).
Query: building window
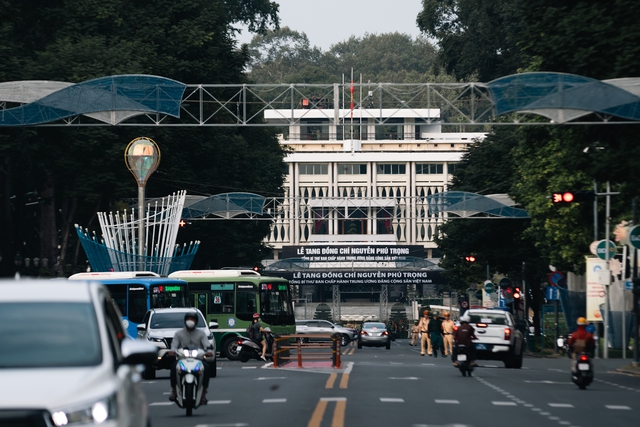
point(313, 169)
point(451, 168)
point(352, 169)
point(320, 225)
point(383, 222)
point(391, 169)
point(354, 223)
point(429, 168)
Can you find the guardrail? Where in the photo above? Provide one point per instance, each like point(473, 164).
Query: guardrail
point(292, 347)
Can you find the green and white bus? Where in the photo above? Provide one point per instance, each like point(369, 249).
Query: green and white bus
point(231, 297)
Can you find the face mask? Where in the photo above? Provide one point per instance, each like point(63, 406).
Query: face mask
point(190, 324)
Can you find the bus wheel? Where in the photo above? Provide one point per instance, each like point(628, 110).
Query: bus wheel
point(230, 348)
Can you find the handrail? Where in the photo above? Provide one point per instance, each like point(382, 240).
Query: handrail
point(304, 351)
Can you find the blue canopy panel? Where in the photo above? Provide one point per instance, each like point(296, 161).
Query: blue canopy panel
point(563, 97)
point(468, 205)
point(102, 258)
point(226, 205)
point(127, 94)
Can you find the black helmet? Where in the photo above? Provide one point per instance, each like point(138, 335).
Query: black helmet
point(191, 315)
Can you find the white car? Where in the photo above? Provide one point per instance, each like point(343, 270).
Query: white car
point(160, 325)
point(65, 358)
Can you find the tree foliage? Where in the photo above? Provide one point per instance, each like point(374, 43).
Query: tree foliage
point(55, 177)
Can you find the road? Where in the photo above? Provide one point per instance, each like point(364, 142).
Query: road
point(398, 387)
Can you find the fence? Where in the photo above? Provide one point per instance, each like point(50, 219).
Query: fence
point(293, 347)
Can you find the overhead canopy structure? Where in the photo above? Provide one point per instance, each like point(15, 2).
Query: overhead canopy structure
point(142, 100)
point(227, 205)
point(470, 205)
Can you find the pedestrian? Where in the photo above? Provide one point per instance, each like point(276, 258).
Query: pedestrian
point(447, 331)
point(415, 331)
point(425, 342)
point(435, 330)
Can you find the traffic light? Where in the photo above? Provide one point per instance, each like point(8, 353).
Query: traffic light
point(182, 223)
point(508, 293)
point(470, 258)
point(566, 197)
point(517, 294)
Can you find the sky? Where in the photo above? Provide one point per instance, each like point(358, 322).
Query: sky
point(327, 22)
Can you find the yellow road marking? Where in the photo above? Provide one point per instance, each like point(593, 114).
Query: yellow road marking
point(331, 381)
point(344, 380)
point(338, 414)
point(316, 417)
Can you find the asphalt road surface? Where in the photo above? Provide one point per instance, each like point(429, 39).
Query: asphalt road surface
point(398, 387)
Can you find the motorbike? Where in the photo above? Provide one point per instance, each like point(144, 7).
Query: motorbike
point(583, 375)
point(563, 344)
point(190, 374)
point(464, 362)
point(247, 349)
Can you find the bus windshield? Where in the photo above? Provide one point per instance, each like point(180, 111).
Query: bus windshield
point(166, 296)
point(276, 307)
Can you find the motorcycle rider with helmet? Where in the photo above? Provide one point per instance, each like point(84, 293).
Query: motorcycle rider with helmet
point(192, 338)
point(580, 341)
point(465, 334)
point(255, 335)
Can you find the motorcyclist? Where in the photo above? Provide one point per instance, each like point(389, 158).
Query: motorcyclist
point(255, 335)
point(465, 334)
point(580, 341)
point(194, 339)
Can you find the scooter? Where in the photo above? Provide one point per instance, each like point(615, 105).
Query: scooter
point(583, 375)
point(562, 343)
point(464, 362)
point(190, 374)
point(247, 349)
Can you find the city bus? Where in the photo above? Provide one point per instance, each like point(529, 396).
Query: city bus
point(136, 292)
point(231, 297)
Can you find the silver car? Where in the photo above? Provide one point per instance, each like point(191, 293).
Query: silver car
point(374, 334)
point(159, 325)
point(65, 358)
point(324, 327)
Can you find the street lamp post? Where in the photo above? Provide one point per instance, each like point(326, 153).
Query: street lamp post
point(142, 157)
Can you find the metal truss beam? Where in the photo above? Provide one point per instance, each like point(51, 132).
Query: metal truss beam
point(244, 105)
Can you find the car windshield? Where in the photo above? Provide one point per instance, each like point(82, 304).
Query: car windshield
point(46, 334)
point(373, 326)
point(172, 320)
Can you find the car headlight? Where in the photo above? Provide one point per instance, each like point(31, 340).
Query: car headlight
point(155, 339)
point(96, 412)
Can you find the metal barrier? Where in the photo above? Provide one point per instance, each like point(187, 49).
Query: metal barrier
point(293, 347)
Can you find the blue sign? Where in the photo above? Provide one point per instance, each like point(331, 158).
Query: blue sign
point(551, 293)
point(628, 286)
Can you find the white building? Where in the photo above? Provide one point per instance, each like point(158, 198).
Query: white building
point(364, 181)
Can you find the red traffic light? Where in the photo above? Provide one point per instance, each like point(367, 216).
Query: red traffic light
point(516, 293)
point(470, 258)
point(563, 197)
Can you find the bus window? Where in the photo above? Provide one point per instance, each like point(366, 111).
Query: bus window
point(167, 296)
point(275, 303)
point(201, 304)
point(137, 303)
point(119, 295)
point(222, 298)
point(246, 302)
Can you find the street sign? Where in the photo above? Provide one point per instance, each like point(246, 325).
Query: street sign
point(555, 277)
point(489, 287)
point(601, 249)
point(628, 285)
point(551, 293)
point(634, 237)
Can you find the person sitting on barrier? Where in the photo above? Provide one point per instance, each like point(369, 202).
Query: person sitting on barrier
point(255, 334)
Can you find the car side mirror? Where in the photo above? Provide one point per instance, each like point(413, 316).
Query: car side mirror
point(213, 325)
point(141, 327)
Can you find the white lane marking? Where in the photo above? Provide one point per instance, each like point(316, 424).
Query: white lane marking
point(223, 425)
point(428, 364)
point(333, 399)
point(546, 382)
point(489, 366)
point(448, 402)
point(274, 400)
point(403, 378)
point(395, 363)
point(505, 403)
point(391, 399)
point(270, 378)
point(249, 367)
point(161, 403)
point(561, 405)
point(218, 402)
point(618, 407)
